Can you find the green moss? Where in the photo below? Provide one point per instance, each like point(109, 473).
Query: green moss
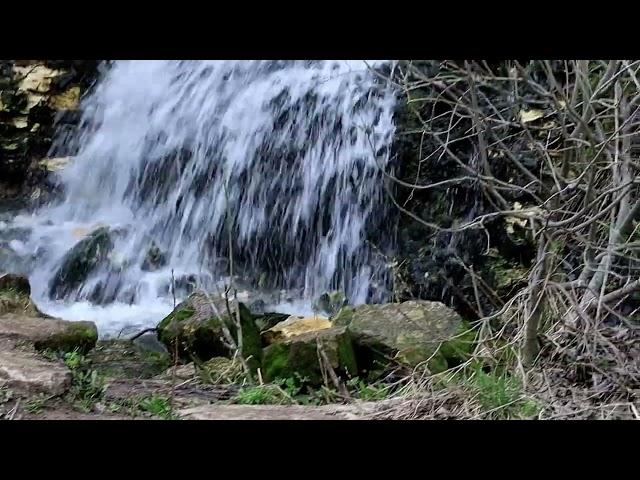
point(346, 355)
point(199, 335)
point(179, 315)
point(459, 348)
point(251, 342)
point(344, 317)
point(297, 357)
point(276, 361)
point(78, 336)
point(505, 274)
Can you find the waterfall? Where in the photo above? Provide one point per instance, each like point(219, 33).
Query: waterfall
point(272, 168)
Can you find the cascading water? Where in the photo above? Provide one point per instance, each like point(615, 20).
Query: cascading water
point(275, 165)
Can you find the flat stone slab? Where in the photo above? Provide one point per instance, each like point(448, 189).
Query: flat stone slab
point(26, 373)
point(269, 412)
point(47, 332)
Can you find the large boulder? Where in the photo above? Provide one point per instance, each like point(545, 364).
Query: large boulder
point(298, 356)
point(196, 329)
point(48, 333)
point(410, 333)
point(87, 255)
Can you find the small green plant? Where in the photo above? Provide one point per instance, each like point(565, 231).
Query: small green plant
point(369, 392)
point(87, 387)
point(269, 394)
point(74, 360)
point(291, 386)
point(500, 395)
point(50, 354)
point(36, 404)
point(158, 405)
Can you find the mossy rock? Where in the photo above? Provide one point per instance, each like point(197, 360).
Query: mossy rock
point(80, 262)
point(47, 333)
point(407, 333)
point(460, 347)
point(297, 357)
point(195, 328)
point(80, 336)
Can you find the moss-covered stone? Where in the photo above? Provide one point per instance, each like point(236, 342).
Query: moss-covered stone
point(195, 328)
point(408, 333)
point(81, 336)
point(47, 333)
point(460, 347)
point(298, 356)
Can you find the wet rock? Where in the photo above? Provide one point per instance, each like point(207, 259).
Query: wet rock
point(330, 303)
point(48, 333)
point(196, 329)
point(298, 356)
point(84, 258)
point(410, 333)
point(154, 260)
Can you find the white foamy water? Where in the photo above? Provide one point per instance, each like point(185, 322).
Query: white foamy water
point(278, 159)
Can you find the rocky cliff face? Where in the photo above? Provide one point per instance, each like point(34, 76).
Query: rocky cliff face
point(36, 96)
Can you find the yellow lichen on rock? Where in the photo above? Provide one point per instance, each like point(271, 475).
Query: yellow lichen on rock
point(67, 100)
point(294, 326)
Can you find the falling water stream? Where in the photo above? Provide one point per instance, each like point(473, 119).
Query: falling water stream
point(276, 165)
